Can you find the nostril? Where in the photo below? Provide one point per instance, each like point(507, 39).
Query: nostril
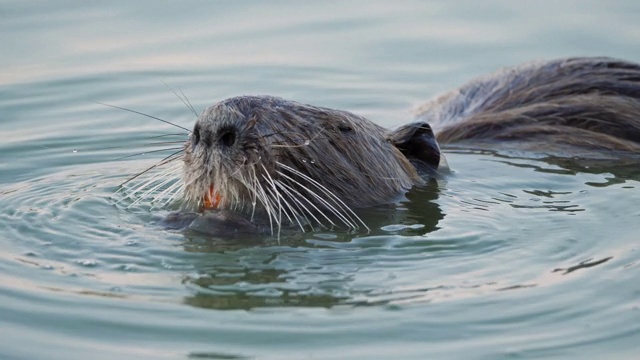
point(228, 138)
point(195, 135)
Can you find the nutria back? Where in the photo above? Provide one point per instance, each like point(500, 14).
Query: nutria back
point(565, 104)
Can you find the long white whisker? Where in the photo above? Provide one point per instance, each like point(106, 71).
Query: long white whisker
point(155, 177)
point(290, 188)
point(170, 192)
point(277, 196)
point(179, 189)
point(150, 191)
point(254, 200)
point(261, 196)
point(167, 160)
point(289, 211)
point(330, 207)
point(159, 177)
point(326, 191)
point(303, 209)
point(184, 100)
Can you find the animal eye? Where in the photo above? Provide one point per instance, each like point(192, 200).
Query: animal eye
point(228, 138)
point(345, 128)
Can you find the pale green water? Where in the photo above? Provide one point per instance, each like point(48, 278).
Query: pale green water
point(509, 258)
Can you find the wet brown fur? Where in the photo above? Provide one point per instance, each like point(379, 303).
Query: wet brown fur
point(239, 145)
point(588, 103)
point(348, 155)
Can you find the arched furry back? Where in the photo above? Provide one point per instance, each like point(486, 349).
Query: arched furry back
point(591, 103)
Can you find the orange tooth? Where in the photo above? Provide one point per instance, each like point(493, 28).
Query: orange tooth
point(211, 199)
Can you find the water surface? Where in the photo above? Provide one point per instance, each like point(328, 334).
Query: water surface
point(512, 256)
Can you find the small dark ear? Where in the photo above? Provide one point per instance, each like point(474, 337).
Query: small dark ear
point(418, 143)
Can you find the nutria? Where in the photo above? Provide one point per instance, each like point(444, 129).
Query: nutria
point(287, 162)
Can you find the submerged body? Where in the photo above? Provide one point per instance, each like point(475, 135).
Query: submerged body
point(304, 165)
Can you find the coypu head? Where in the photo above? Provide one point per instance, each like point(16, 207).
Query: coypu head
point(298, 163)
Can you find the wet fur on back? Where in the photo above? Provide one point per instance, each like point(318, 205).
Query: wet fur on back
point(588, 103)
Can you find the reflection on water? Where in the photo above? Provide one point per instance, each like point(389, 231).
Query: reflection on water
point(323, 269)
point(232, 277)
